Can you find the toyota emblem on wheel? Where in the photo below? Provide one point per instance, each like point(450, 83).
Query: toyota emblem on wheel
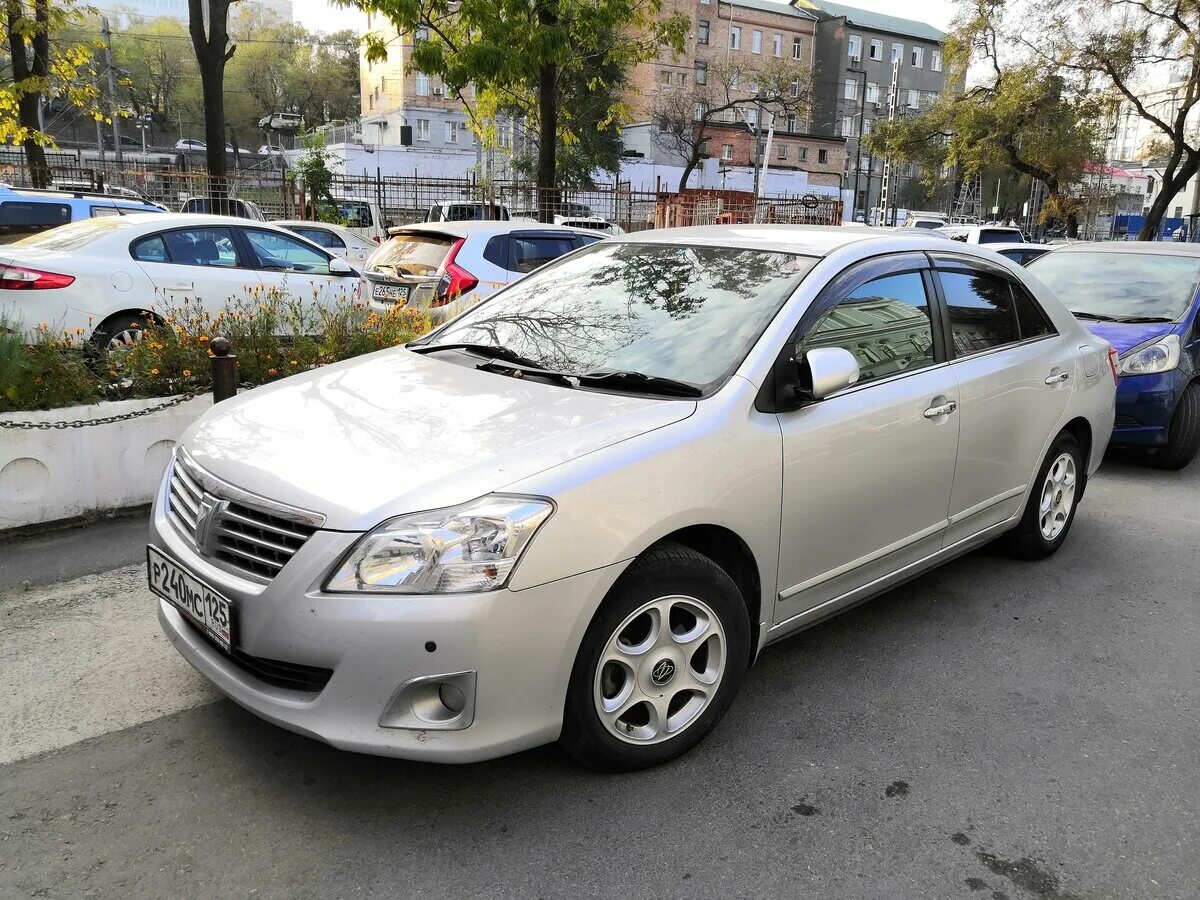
point(662, 672)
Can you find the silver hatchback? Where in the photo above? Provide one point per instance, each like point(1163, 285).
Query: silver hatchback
point(580, 510)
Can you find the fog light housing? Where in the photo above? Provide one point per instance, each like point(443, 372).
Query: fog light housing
point(432, 703)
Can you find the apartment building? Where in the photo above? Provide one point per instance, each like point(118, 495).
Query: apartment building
point(393, 97)
point(747, 36)
point(855, 55)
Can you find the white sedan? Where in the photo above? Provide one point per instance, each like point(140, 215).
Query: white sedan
point(336, 239)
point(105, 278)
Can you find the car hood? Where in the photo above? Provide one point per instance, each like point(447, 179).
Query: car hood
point(1127, 335)
point(398, 432)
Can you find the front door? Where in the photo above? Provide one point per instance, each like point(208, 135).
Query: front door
point(296, 272)
point(200, 266)
point(868, 471)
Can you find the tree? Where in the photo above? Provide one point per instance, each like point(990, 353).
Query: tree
point(157, 71)
point(40, 68)
point(1117, 43)
point(1022, 115)
point(683, 120)
point(520, 54)
point(210, 40)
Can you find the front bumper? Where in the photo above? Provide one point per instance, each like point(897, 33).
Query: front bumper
point(1145, 407)
point(519, 647)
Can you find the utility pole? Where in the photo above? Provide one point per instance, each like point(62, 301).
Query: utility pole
point(112, 92)
point(758, 112)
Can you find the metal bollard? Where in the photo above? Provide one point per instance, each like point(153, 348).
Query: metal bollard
point(224, 369)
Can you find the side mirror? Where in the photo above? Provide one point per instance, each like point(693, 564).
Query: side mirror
point(824, 371)
point(338, 266)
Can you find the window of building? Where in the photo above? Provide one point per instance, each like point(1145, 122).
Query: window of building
point(851, 89)
point(777, 45)
point(885, 323)
point(451, 132)
point(735, 80)
point(422, 84)
point(982, 314)
point(803, 154)
point(935, 60)
point(370, 101)
point(702, 32)
point(847, 126)
point(872, 93)
point(735, 37)
point(866, 126)
point(422, 129)
point(914, 99)
point(756, 42)
point(876, 51)
point(791, 123)
point(751, 117)
point(897, 52)
point(664, 78)
point(854, 47)
point(797, 48)
point(783, 151)
point(701, 73)
point(421, 34)
point(822, 156)
point(681, 79)
point(697, 111)
point(727, 151)
point(918, 57)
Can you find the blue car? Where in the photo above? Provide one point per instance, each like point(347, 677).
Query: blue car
point(1142, 298)
point(26, 211)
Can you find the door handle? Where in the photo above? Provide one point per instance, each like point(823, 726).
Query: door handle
point(945, 409)
point(1059, 378)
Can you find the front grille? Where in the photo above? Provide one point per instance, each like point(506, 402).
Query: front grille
point(290, 676)
point(1127, 422)
point(223, 525)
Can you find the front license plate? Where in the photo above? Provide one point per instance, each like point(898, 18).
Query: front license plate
point(392, 292)
point(191, 596)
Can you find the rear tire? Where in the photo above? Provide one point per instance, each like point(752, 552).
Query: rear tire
point(660, 663)
point(1183, 438)
point(1053, 500)
point(121, 331)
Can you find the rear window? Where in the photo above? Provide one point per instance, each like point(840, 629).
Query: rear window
point(73, 236)
point(202, 206)
point(412, 254)
point(531, 253)
point(928, 223)
point(1000, 236)
point(473, 212)
point(21, 215)
point(354, 212)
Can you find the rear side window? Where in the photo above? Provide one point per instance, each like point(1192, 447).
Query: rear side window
point(1031, 319)
point(17, 216)
point(98, 211)
point(530, 253)
point(496, 251)
point(982, 314)
point(412, 254)
point(151, 249)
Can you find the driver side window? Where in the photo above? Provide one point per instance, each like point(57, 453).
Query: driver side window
point(884, 323)
point(280, 253)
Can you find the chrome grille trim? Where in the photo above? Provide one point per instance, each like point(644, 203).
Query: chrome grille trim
point(240, 532)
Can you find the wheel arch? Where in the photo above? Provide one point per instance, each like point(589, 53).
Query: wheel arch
point(140, 312)
point(1081, 429)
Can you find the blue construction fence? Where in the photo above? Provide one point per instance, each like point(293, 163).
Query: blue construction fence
point(1127, 228)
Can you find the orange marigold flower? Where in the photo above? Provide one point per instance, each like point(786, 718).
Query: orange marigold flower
point(187, 373)
point(272, 372)
point(154, 371)
point(203, 339)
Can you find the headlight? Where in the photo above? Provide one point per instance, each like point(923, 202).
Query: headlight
point(1161, 355)
point(473, 547)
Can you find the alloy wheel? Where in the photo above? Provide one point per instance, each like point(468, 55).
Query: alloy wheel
point(660, 669)
point(1058, 497)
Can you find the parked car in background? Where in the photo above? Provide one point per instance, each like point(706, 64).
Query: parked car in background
point(27, 211)
point(282, 121)
point(638, 466)
point(190, 144)
point(108, 277)
point(109, 190)
point(447, 267)
point(457, 211)
point(1021, 254)
point(982, 234)
point(362, 216)
point(242, 209)
point(591, 223)
point(924, 221)
point(1142, 298)
point(338, 240)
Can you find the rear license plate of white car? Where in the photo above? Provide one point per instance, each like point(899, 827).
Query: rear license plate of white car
point(207, 609)
point(393, 292)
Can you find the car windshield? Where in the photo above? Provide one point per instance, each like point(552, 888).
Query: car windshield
point(412, 254)
point(1120, 285)
point(73, 236)
point(687, 313)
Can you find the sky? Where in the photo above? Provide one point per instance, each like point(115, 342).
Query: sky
point(320, 15)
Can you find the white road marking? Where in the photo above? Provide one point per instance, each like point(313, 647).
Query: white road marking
point(85, 657)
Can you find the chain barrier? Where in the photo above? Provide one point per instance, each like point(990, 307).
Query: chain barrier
point(107, 420)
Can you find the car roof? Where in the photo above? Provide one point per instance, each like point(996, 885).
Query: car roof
point(808, 240)
point(179, 220)
point(486, 226)
point(1155, 248)
point(1018, 245)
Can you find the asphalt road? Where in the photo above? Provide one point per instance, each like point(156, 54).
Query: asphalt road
point(993, 730)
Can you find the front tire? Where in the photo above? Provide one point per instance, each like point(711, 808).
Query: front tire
point(1050, 509)
point(660, 663)
point(1183, 438)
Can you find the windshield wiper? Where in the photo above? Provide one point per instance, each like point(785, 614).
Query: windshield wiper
point(492, 350)
point(639, 381)
point(1124, 320)
point(1144, 319)
point(520, 371)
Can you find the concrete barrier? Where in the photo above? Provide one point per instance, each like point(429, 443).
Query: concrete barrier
point(52, 474)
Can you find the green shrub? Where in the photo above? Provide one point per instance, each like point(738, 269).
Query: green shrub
point(44, 373)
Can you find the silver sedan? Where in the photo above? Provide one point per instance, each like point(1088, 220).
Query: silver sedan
point(580, 510)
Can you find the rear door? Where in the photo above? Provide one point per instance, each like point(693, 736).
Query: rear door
point(203, 265)
point(1014, 374)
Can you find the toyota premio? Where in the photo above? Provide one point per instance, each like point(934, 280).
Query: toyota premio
point(580, 510)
